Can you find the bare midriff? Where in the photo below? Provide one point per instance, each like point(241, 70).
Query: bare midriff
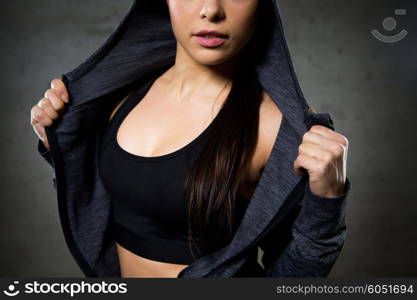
point(135, 266)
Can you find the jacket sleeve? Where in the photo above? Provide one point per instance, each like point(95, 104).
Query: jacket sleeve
point(46, 154)
point(314, 240)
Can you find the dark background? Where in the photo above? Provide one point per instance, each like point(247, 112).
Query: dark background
point(369, 88)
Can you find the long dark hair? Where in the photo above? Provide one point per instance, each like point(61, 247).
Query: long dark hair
point(213, 182)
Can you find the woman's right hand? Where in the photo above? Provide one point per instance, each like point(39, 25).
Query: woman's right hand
point(48, 109)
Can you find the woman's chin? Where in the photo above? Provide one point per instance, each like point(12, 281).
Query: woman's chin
point(211, 59)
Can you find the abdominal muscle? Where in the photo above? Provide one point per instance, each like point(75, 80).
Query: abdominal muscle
point(135, 266)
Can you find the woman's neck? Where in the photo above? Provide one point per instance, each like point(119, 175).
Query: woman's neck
point(187, 78)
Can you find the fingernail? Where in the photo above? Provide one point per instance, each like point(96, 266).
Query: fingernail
point(65, 98)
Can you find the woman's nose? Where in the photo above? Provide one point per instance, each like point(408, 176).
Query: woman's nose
point(212, 10)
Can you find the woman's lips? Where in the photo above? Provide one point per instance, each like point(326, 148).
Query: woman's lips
point(209, 41)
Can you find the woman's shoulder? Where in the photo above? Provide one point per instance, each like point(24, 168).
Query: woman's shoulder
point(270, 118)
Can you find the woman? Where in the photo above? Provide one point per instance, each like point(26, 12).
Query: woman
point(195, 104)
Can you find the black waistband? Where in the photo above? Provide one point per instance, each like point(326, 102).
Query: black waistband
point(169, 251)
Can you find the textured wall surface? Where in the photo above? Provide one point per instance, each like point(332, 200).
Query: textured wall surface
point(368, 86)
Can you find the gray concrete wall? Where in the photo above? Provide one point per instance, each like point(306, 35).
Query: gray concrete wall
point(368, 86)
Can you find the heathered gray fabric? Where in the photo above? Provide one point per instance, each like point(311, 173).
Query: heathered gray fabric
point(300, 233)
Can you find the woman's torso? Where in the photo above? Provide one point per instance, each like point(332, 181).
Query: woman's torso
point(156, 124)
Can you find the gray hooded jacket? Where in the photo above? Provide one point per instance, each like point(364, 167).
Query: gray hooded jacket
point(300, 233)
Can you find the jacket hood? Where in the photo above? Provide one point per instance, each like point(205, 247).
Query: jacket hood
point(142, 44)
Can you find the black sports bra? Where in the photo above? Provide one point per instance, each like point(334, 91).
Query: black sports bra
point(148, 203)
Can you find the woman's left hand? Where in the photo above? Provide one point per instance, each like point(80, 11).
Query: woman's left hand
point(323, 153)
